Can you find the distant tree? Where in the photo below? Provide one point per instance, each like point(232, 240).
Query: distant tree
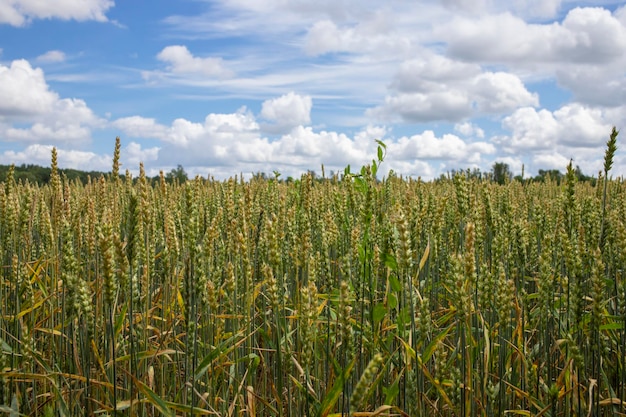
point(582, 177)
point(259, 175)
point(177, 174)
point(501, 172)
point(553, 174)
point(476, 173)
point(469, 173)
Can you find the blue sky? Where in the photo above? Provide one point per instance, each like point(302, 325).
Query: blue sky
point(241, 86)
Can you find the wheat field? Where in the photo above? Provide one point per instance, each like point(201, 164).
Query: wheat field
point(322, 297)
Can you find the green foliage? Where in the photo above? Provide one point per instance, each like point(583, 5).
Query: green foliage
point(40, 175)
point(501, 172)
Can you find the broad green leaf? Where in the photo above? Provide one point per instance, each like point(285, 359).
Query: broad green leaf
point(392, 300)
point(153, 398)
point(395, 284)
point(612, 326)
point(379, 312)
point(331, 397)
point(403, 318)
point(390, 261)
point(226, 346)
point(428, 352)
point(392, 391)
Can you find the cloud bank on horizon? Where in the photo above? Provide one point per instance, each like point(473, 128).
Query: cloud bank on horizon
point(224, 87)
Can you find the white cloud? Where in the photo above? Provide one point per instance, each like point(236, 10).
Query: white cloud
point(419, 107)
point(304, 146)
point(42, 115)
point(233, 143)
point(468, 6)
point(134, 153)
point(21, 12)
point(432, 73)
point(571, 126)
point(286, 112)
point(41, 155)
point(500, 92)
point(530, 130)
point(586, 35)
point(595, 84)
point(427, 146)
point(438, 88)
point(46, 133)
point(199, 139)
point(52, 56)
point(515, 164)
point(375, 35)
point(183, 62)
point(24, 90)
point(38, 154)
point(582, 127)
point(549, 161)
point(469, 129)
point(537, 8)
point(325, 37)
point(140, 127)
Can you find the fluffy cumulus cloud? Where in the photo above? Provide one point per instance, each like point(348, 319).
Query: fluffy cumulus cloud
point(227, 144)
point(141, 127)
point(432, 73)
point(133, 154)
point(21, 12)
point(181, 61)
point(595, 85)
point(31, 112)
point(438, 88)
point(586, 35)
point(552, 160)
point(67, 158)
point(286, 112)
point(572, 125)
point(427, 146)
point(530, 130)
point(499, 92)
point(469, 129)
point(24, 90)
point(194, 144)
point(550, 139)
point(40, 154)
point(424, 107)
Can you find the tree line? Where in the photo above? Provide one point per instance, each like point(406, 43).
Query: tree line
point(500, 173)
point(36, 174)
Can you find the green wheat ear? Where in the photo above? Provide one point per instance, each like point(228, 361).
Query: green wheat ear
point(359, 395)
point(611, 148)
